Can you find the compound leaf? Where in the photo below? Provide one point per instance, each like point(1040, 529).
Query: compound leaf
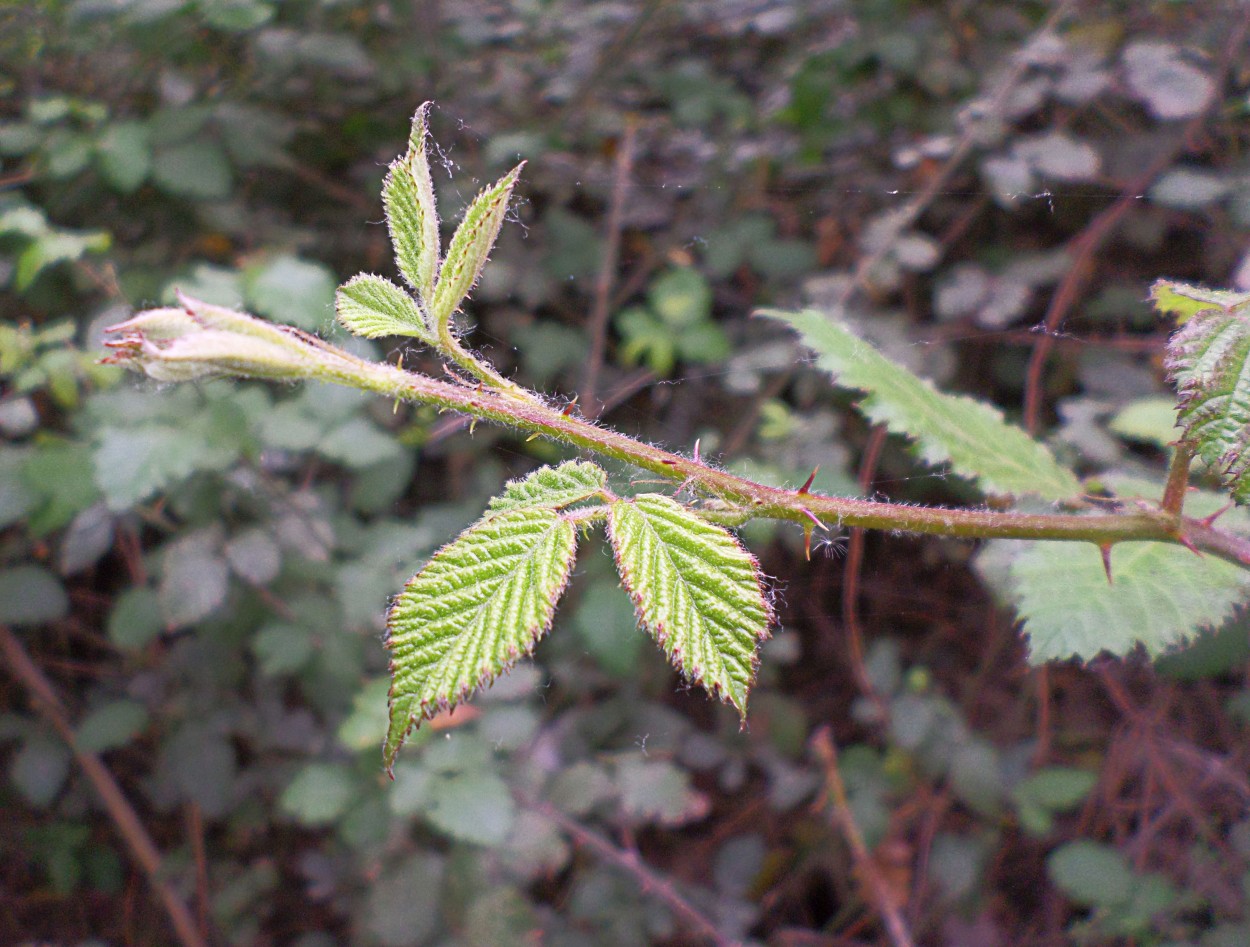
point(482, 601)
point(373, 307)
point(552, 487)
point(1160, 596)
point(471, 245)
point(969, 435)
point(1208, 359)
point(411, 213)
point(695, 589)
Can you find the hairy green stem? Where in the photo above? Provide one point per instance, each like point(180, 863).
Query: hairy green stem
point(757, 500)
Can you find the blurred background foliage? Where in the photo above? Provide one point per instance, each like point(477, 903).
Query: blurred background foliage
point(201, 573)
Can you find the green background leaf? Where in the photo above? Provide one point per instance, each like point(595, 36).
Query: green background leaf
point(1162, 595)
point(969, 435)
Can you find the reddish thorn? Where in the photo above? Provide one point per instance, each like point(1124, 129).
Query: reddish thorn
point(669, 463)
point(807, 542)
point(1210, 520)
point(1105, 549)
point(812, 516)
point(568, 408)
point(811, 477)
point(1185, 541)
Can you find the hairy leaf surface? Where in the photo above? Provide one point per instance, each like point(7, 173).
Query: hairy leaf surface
point(695, 589)
point(479, 604)
point(1208, 360)
point(470, 247)
point(1161, 596)
point(969, 435)
point(411, 213)
point(374, 307)
point(552, 487)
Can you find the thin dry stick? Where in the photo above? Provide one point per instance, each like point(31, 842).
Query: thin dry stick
point(850, 580)
point(195, 830)
point(883, 899)
point(123, 814)
point(649, 881)
point(607, 267)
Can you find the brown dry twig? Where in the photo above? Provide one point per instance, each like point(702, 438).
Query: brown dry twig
point(129, 826)
point(649, 881)
point(882, 898)
point(607, 267)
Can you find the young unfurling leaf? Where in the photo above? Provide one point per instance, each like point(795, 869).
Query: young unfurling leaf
point(470, 247)
point(373, 307)
point(411, 214)
point(697, 591)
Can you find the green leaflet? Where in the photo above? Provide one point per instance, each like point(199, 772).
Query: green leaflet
point(1208, 360)
point(373, 307)
point(1184, 300)
point(481, 602)
point(697, 591)
point(552, 487)
point(470, 247)
point(411, 213)
point(969, 435)
point(1161, 596)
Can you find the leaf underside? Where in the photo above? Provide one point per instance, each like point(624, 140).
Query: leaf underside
point(1161, 596)
point(969, 435)
point(552, 487)
point(481, 602)
point(1208, 359)
point(695, 589)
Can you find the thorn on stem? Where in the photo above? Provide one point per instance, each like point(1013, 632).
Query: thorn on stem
point(812, 516)
point(807, 542)
point(697, 458)
point(1188, 544)
point(1210, 520)
point(811, 478)
point(1105, 549)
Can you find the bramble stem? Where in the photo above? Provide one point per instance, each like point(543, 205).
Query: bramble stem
point(752, 500)
point(1178, 480)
